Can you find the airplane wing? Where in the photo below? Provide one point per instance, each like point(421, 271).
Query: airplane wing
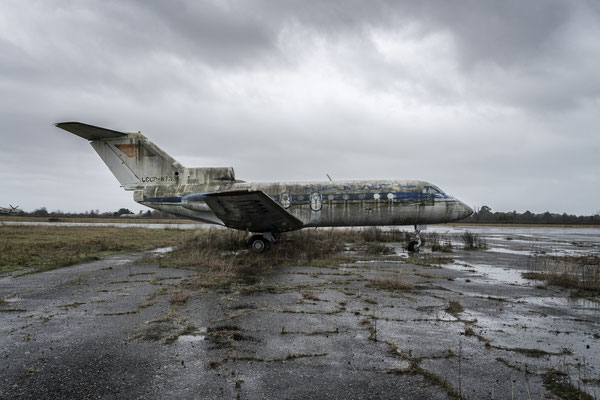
point(251, 210)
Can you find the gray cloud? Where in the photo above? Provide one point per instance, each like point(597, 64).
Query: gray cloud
point(497, 102)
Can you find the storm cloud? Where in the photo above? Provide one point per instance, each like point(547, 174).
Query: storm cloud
point(496, 102)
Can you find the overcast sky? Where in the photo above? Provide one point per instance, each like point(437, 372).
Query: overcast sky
point(496, 102)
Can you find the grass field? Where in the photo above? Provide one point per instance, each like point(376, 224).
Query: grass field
point(117, 220)
point(43, 248)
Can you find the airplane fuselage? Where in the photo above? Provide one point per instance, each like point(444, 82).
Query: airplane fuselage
point(214, 195)
point(323, 204)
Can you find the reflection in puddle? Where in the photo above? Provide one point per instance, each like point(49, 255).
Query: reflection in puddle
point(572, 303)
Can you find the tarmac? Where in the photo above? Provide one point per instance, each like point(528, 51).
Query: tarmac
point(112, 329)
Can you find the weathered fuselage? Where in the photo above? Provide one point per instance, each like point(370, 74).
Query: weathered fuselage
point(325, 204)
point(214, 195)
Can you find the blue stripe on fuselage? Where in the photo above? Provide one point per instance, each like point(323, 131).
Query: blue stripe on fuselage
point(163, 199)
point(336, 197)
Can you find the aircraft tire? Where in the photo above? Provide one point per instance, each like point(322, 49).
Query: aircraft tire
point(259, 244)
point(413, 246)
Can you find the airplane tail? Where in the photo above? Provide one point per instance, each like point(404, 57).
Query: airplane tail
point(137, 163)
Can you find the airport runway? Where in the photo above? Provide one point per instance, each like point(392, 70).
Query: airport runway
point(110, 329)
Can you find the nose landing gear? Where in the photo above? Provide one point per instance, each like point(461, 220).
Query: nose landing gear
point(415, 244)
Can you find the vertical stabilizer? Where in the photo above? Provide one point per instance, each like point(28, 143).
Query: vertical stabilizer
point(134, 160)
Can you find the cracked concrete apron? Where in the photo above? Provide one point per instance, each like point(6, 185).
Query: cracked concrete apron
point(115, 329)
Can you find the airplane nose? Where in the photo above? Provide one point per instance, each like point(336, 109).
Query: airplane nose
point(465, 211)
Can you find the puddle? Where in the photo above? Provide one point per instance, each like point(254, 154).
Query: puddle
point(191, 338)
point(194, 338)
point(491, 273)
point(12, 300)
point(573, 303)
point(162, 250)
point(511, 251)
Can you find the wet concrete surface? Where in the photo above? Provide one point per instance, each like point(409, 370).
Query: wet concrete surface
point(108, 329)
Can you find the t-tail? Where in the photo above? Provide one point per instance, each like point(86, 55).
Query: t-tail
point(137, 163)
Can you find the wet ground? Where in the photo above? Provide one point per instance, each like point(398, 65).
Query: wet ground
point(123, 328)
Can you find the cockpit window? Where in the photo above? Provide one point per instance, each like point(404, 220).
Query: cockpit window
point(435, 191)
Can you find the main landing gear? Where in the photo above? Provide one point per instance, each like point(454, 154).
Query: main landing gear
point(415, 244)
point(262, 243)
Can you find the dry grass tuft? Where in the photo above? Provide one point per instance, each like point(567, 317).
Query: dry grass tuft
point(579, 273)
point(454, 308)
point(179, 297)
point(392, 283)
point(473, 241)
point(438, 242)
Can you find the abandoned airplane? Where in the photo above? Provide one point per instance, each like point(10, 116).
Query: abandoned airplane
point(214, 196)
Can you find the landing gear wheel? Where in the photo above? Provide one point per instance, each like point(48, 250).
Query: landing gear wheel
point(413, 246)
point(259, 244)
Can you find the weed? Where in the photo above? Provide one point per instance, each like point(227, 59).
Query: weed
point(179, 297)
point(295, 356)
point(559, 384)
point(309, 295)
point(416, 369)
point(155, 332)
point(121, 313)
point(454, 308)
point(225, 336)
point(188, 330)
point(473, 241)
point(438, 242)
point(159, 292)
point(578, 273)
point(392, 284)
point(535, 353)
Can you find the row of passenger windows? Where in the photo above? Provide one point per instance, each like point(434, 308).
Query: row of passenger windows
point(359, 196)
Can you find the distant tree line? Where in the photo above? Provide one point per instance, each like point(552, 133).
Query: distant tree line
point(484, 215)
point(43, 212)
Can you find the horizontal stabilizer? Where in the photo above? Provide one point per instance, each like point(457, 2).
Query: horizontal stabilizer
point(251, 210)
point(90, 132)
